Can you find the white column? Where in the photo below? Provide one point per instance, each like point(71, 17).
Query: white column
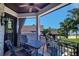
point(18, 44)
point(17, 25)
point(38, 27)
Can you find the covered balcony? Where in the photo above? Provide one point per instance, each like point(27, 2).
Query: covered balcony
point(15, 42)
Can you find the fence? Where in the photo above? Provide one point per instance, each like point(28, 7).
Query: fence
point(63, 49)
point(68, 49)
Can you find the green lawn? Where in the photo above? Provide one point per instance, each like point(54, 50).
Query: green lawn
point(70, 41)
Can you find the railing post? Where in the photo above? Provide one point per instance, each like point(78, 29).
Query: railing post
point(77, 49)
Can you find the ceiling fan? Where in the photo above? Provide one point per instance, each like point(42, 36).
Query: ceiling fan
point(31, 6)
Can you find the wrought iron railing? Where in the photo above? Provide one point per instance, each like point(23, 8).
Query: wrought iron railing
point(64, 49)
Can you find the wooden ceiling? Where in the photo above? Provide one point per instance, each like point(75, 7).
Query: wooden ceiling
point(32, 7)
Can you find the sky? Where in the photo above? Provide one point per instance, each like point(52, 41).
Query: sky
point(52, 19)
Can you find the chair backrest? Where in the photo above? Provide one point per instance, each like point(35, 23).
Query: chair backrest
point(10, 47)
point(31, 36)
point(9, 44)
point(23, 38)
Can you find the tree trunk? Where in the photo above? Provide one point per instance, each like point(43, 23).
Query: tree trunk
point(66, 35)
point(76, 34)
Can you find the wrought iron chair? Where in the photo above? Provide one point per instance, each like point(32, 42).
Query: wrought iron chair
point(10, 47)
point(13, 50)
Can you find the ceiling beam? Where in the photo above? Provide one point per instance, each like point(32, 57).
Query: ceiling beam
point(19, 15)
point(51, 7)
point(38, 8)
point(9, 11)
point(30, 9)
point(26, 15)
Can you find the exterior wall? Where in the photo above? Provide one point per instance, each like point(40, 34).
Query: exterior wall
point(1, 40)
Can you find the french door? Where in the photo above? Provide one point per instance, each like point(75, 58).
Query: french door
point(8, 32)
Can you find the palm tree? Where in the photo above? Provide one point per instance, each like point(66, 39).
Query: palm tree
point(75, 30)
point(70, 23)
point(74, 14)
point(61, 29)
point(65, 27)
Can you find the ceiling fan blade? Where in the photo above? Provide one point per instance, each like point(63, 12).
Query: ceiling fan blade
point(36, 4)
point(30, 10)
point(23, 5)
point(38, 8)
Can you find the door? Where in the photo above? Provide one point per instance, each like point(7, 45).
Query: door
point(8, 32)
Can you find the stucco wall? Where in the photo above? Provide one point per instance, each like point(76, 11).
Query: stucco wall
point(1, 39)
